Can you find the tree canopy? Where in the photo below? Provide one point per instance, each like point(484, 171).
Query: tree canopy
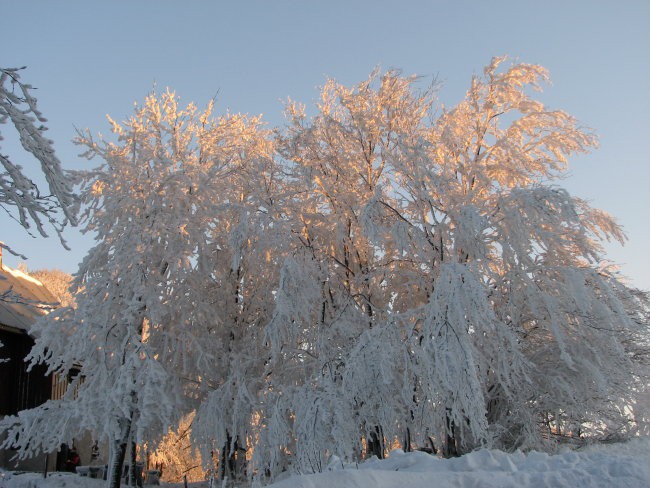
point(383, 271)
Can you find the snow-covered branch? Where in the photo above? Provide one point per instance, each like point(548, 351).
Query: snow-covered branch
point(20, 196)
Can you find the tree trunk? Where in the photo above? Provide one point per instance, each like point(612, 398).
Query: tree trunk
point(233, 460)
point(118, 453)
point(406, 445)
point(133, 473)
point(451, 447)
point(376, 443)
point(432, 445)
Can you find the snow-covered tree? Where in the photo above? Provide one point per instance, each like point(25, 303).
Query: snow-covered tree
point(20, 196)
point(176, 456)
point(531, 252)
point(333, 288)
point(247, 245)
point(143, 328)
point(442, 285)
point(58, 283)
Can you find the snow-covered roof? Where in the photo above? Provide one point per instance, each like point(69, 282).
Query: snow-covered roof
point(17, 309)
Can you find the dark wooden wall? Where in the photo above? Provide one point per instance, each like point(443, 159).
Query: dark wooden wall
point(18, 388)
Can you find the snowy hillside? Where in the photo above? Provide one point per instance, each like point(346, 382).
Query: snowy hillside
point(616, 465)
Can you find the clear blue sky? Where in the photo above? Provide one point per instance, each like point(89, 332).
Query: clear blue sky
point(92, 58)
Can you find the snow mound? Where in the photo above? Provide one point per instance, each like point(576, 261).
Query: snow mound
point(617, 465)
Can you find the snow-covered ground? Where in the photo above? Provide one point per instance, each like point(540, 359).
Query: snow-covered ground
point(615, 465)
